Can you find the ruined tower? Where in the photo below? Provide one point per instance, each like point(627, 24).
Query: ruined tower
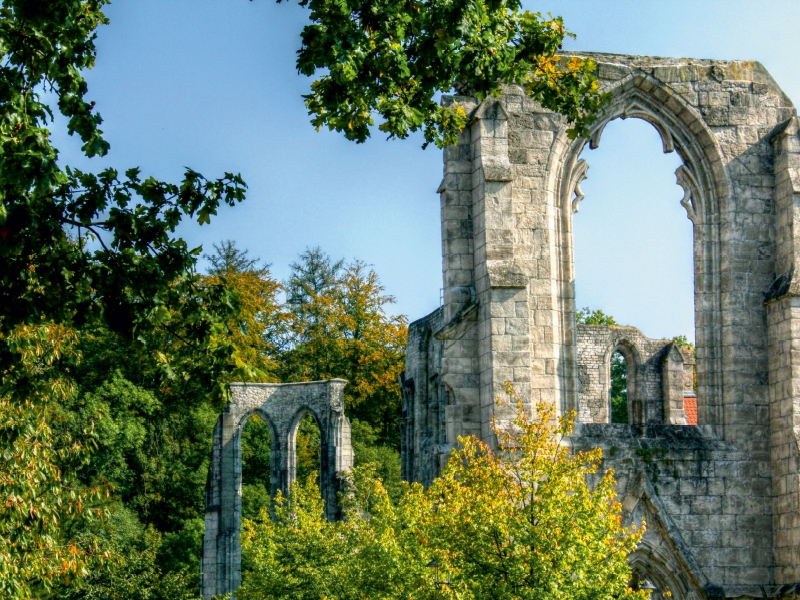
point(721, 498)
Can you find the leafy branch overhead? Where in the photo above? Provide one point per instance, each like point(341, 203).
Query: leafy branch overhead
point(394, 57)
point(74, 245)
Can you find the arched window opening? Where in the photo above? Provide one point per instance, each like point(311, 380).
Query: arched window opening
point(632, 241)
point(307, 446)
point(619, 389)
point(256, 467)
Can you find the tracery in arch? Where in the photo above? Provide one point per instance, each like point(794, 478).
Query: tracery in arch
point(634, 109)
point(579, 174)
point(691, 192)
point(674, 133)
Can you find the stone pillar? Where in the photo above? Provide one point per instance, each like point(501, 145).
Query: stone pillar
point(501, 285)
point(278, 463)
point(221, 570)
point(455, 405)
point(459, 400)
point(783, 320)
point(208, 561)
point(336, 457)
point(456, 217)
point(287, 468)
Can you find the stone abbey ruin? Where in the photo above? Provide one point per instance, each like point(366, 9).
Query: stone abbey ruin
point(721, 498)
point(282, 406)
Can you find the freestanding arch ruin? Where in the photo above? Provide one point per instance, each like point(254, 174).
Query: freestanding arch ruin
point(282, 406)
point(722, 499)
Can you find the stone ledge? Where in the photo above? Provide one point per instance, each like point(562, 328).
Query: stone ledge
point(653, 437)
point(455, 328)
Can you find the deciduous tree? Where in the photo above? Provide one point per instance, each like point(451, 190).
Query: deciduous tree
point(588, 316)
point(392, 59)
point(340, 328)
point(529, 520)
point(74, 244)
point(258, 330)
point(42, 495)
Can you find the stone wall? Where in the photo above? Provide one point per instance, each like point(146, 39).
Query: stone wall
point(658, 372)
point(424, 402)
point(707, 505)
point(726, 494)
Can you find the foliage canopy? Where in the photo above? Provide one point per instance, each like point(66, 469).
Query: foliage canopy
point(41, 494)
point(519, 522)
point(587, 316)
point(393, 58)
point(339, 327)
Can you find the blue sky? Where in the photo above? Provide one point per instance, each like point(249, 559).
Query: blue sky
point(211, 84)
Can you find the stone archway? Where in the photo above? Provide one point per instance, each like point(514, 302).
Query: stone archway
point(632, 357)
point(282, 406)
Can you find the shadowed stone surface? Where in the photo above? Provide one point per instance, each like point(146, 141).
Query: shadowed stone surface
point(722, 499)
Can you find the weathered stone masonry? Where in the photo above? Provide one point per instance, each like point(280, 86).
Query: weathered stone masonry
point(659, 375)
point(282, 406)
point(722, 499)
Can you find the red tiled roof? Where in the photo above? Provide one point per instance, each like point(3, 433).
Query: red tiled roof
point(690, 409)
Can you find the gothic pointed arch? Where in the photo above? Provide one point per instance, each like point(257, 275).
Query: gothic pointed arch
point(282, 406)
point(706, 194)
